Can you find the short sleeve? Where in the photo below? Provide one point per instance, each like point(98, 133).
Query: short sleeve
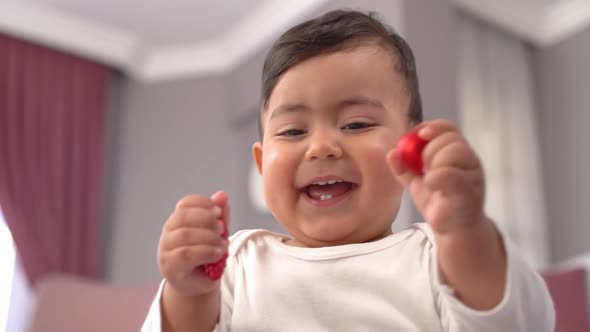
point(525, 306)
point(228, 281)
point(227, 299)
point(153, 321)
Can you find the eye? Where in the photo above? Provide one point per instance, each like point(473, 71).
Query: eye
point(357, 126)
point(291, 132)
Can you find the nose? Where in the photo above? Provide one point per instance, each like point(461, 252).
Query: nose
point(323, 144)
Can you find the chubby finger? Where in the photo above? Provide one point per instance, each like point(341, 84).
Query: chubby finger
point(194, 217)
point(221, 200)
point(404, 176)
point(189, 236)
point(457, 154)
point(184, 259)
point(437, 144)
point(432, 129)
point(194, 201)
point(449, 180)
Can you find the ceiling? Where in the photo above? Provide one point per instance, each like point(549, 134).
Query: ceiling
point(541, 22)
point(156, 22)
point(152, 40)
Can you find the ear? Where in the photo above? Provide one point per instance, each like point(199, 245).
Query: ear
point(257, 154)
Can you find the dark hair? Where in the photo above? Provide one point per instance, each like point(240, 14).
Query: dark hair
point(332, 32)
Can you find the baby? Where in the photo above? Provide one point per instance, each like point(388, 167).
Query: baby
point(338, 92)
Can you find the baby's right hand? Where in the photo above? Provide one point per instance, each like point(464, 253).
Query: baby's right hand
point(191, 237)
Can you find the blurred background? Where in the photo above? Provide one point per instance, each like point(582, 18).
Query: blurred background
point(110, 111)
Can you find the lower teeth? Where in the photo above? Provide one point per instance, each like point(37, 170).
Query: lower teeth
point(325, 197)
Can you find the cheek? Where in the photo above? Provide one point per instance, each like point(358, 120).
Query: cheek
point(384, 191)
point(279, 167)
point(377, 148)
point(376, 167)
point(278, 170)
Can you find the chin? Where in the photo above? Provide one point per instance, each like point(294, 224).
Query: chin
point(331, 233)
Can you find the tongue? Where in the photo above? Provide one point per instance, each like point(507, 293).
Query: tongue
point(316, 191)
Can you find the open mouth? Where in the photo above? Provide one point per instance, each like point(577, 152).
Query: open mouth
point(328, 189)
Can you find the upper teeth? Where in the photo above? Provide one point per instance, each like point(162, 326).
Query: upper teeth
point(323, 183)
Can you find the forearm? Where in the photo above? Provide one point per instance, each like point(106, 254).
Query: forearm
point(191, 314)
point(473, 262)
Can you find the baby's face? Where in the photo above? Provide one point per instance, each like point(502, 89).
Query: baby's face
point(329, 124)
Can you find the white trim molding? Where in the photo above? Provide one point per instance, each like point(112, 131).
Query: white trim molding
point(227, 51)
point(71, 33)
point(125, 49)
point(564, 19)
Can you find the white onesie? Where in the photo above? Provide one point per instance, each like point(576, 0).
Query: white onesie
point(387, 285)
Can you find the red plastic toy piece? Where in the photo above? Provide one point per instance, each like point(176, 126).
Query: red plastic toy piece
point(215, 270)
point(409, 151)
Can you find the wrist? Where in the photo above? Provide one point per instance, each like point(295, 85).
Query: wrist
point(480, 238)
point(187, 296)
point(473, 262)
point(184, 312)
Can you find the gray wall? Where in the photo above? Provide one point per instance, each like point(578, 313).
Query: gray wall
point(430, 30)
point(195, 135)
point(173, 139)
point(427, 24)
point(563, 91)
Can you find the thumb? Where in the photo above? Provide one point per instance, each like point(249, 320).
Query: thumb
point(410, 180)
point(403, 174)
point(221, 200)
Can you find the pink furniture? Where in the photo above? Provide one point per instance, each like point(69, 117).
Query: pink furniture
point(568, 289)
point(68, 304)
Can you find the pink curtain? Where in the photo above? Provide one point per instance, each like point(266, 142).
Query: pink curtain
point(52, 127)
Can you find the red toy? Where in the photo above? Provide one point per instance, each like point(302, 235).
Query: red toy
point(409, 151)
point(215, 270)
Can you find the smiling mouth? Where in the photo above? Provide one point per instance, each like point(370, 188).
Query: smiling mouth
point(327, 190)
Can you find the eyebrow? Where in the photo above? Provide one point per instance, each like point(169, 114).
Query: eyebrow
point(360, 100)
point(287, 108)
point(347, 102)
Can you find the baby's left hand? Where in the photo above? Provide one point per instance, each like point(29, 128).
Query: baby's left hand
point(450, 194)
